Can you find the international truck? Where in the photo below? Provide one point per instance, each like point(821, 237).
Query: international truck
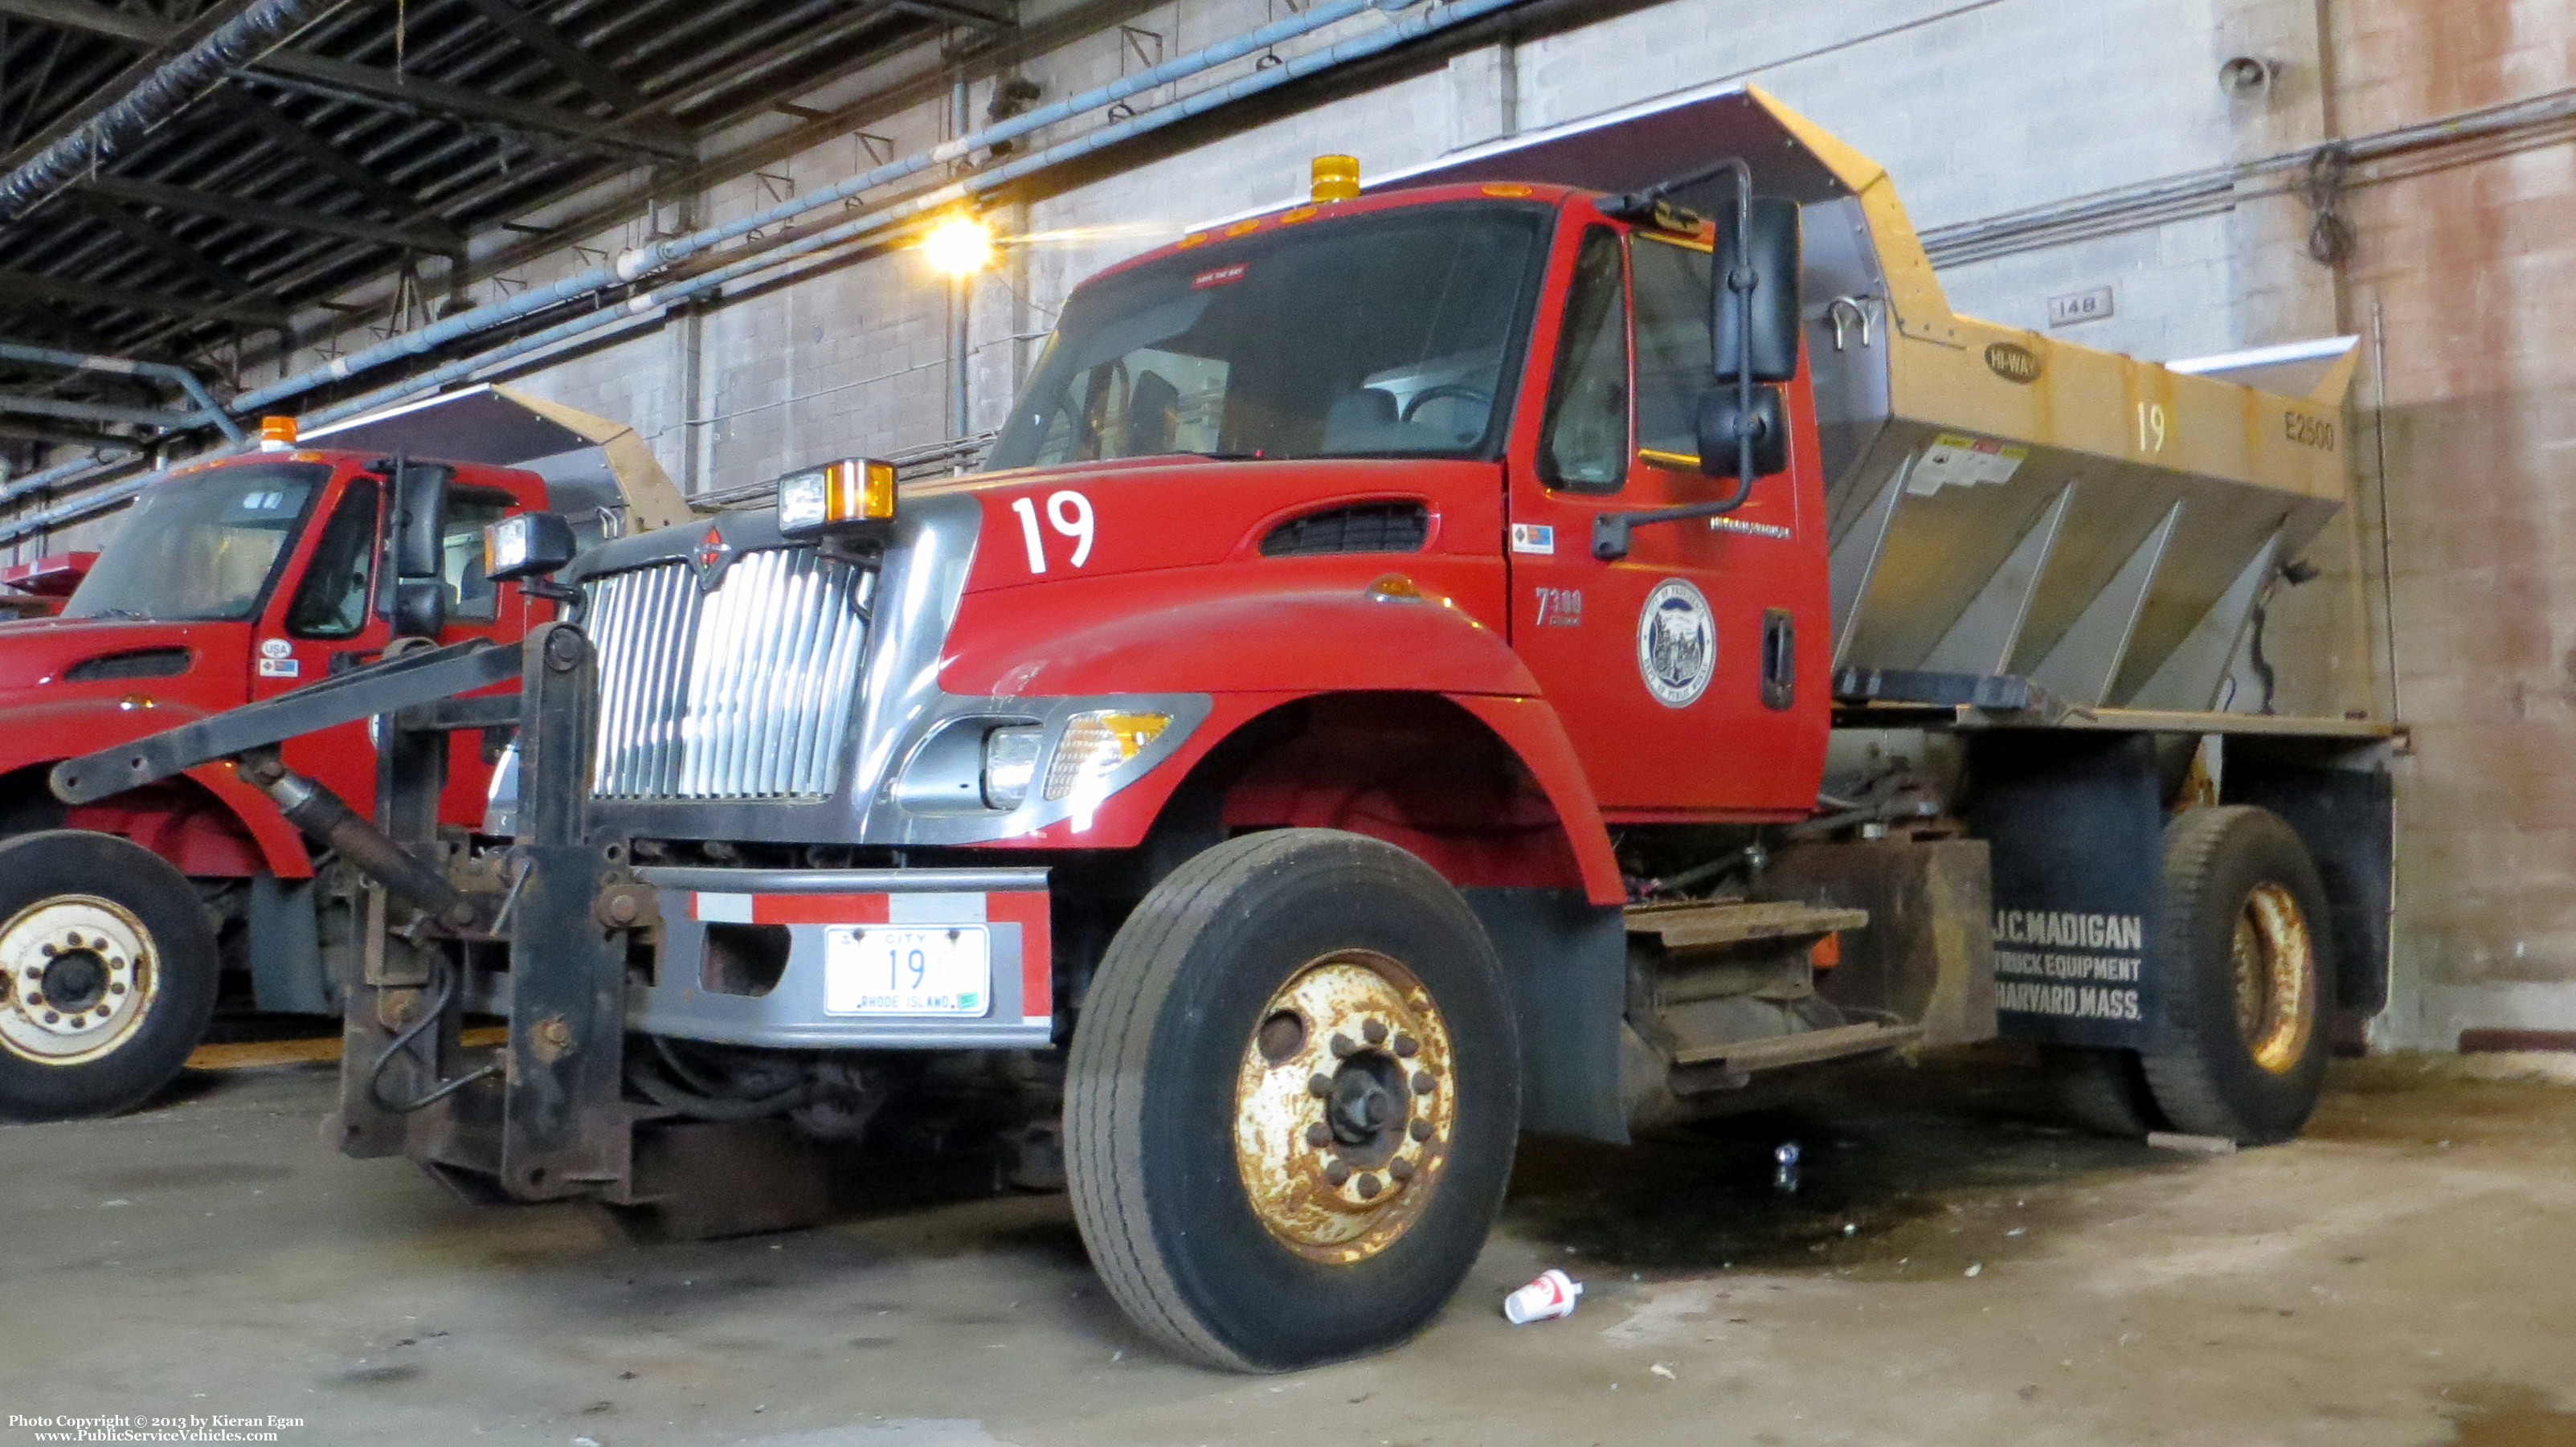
point(123, 920)
point(1571, 638)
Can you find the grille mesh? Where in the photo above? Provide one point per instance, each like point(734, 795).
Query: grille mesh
point(742, 693)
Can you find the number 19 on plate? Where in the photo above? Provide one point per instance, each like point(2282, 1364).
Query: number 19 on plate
point(926, 970)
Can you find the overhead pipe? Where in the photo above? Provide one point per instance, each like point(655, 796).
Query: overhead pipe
point(638, 262)
point(208, 409)
point(177, 84)
point(1411, 27)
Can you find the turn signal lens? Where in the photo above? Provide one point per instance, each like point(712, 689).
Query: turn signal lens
point(1010, 762)
point(854, 489)
point(1095, 745)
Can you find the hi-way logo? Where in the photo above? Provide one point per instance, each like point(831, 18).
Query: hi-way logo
point(714, 554)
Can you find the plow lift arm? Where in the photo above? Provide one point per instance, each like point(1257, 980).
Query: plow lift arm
point(547, 1119)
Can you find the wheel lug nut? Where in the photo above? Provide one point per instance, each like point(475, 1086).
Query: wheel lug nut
point(1400, 1168)
point(1420, 1130)
point(116, 989)
point(1407, 1046)
point(1422, 1082)
point(1343, 1049)
point(1368, 1188)
point(1337, 1172)
point(1319, 1084)
point(1375, 1030)
point(48, 952)
point(1319, 1134)
point(53, 1019)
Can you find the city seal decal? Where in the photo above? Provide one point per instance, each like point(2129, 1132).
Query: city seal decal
point(1676, 644)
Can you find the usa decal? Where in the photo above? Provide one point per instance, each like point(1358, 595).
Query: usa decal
point(1533, 538)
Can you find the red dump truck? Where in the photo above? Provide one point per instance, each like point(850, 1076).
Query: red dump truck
point(241, 579)
point(1567, 639)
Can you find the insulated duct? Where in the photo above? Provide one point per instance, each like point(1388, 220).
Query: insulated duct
point(176, 85)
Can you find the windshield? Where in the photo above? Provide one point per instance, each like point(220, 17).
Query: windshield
point(1385, 333)
point(199, 547)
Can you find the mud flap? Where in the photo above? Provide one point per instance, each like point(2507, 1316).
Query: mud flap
point(1565, 961)
point(2075, 822)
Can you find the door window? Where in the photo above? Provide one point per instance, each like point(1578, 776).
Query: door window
point(470, 595)
point(1674, 366)
point(1585, 447)
point(332, 601)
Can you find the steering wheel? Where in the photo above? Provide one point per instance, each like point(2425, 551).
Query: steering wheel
point(1446, 389)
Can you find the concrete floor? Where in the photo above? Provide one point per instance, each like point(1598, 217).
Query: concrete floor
point(1952, 1271)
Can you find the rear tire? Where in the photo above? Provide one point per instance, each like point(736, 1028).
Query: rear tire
point(108, 973)
point(2249, 1002)
point(1243, 1217)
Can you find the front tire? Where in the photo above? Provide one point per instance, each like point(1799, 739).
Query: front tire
point(2243, 954)
point(108, 973)
point(1291, 1102)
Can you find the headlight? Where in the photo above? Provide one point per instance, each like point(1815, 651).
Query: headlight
point(855, 489)
point(526, 545)
point(1010, 761)
point(1095, 744)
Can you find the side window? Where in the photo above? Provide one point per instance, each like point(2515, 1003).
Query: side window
point(1674, 369)
point(332, 600)
point(471, 597)
point(1585, 446)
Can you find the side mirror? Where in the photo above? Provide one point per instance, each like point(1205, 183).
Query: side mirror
point(527, 545)
point(1761, 267)
point(415, 544)
point(1723, 422)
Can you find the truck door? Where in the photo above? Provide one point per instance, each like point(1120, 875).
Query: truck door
point(1689, 674)
point(325, 620)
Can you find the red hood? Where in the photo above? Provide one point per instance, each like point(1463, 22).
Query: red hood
point(36, 652)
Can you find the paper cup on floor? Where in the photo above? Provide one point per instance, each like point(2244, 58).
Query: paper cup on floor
point(1553, 1294)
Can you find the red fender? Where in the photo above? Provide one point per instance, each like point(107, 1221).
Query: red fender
point(246, 834)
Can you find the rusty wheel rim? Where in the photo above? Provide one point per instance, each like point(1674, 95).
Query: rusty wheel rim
point(1344, 1107)
point(78, 974)
point(2275, 958)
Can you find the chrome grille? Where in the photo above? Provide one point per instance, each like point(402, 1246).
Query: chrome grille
point(742, 693)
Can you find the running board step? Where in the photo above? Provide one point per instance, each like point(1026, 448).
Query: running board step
point(1773, 1052)
point(1699, 926)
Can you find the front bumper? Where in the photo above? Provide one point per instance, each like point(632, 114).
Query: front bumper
point(687, 999)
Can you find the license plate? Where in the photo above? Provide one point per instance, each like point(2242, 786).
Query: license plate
point(907, 970)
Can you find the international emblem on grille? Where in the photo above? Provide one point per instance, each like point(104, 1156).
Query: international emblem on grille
point(712, 555)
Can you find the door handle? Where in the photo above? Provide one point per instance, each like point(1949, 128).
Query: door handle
point(1779, 658)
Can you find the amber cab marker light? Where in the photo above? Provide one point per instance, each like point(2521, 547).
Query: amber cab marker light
point(1336, 178)
point(852, 490)
point(276, 433)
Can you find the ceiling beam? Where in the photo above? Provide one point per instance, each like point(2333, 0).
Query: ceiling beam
point(417, 92)
point(22, 286)
point(167, 247)
point(961, 12)
point(416, 237)
point(577, 64)
point(94, 411)
point(282, 130)
point(170, 40)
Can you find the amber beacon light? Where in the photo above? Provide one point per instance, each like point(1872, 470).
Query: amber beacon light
point(1337, 178)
